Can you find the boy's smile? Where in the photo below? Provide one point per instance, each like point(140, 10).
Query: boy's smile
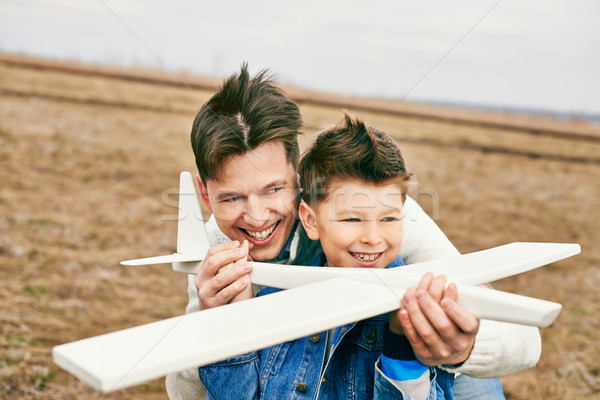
point(359, 224)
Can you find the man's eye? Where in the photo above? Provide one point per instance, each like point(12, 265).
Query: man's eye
point(231, 199)
point(275, 190)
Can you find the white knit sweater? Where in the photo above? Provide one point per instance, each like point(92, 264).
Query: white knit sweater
point(500, 348)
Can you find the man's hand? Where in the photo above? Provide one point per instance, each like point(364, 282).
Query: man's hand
point(223, 275)
point(438, 328)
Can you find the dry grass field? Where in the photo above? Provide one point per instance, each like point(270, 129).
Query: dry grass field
point(88, 174)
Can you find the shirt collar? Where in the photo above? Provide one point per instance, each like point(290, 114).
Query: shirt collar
point(284, 255)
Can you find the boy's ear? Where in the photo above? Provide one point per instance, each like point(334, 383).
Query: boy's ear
point(309, 221)
point(203, 192)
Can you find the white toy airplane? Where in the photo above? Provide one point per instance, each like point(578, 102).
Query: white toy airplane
point(318, 299)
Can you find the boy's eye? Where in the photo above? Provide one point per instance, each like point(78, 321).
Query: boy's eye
point(389, 219)
point(351, 220)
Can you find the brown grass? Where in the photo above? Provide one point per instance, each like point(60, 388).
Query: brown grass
point(88, 166)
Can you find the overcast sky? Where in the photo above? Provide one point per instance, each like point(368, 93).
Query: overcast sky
point(535, 54)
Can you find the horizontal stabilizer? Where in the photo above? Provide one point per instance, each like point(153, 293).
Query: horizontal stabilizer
point(171, 258)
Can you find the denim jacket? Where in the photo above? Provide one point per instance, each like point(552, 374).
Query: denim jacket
point(299, 369)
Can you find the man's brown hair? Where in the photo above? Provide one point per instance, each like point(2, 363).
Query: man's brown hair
point(350, 150)
point(244, 114)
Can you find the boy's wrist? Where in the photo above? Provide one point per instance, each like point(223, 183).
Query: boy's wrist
point(397, 346)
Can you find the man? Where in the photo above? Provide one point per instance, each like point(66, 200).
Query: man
point(245, 142)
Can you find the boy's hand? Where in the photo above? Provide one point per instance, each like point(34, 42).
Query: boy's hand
point(223, 275)
point(438, 328)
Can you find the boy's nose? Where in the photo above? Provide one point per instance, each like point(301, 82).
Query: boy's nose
point(370, 235)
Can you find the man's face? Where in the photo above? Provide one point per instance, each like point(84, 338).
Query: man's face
point(359, 225)
point(254, 199)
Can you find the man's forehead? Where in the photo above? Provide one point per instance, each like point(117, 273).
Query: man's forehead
point(248, 184)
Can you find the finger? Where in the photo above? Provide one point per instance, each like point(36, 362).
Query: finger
point(420, 321)
point(221, 288)
point(229, 292)
point(436, 288)
point(463, 318)
point(445, 327)
point(395, 324)
point(451, 292)
point(232, 273)
point(419, 347)
point(217, 260)
point(425, 281)
point(411, 334)
point(217, 276)
point(435, 316)
point(244, 248)
point(221, 247)
point(468, 326)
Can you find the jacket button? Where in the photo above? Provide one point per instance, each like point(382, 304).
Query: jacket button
point(315, 338)
point(371, 339)
point(301, 387)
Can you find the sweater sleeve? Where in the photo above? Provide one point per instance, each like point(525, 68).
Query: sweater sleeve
point(422, 239)
point(186, 385)
point(500, 348)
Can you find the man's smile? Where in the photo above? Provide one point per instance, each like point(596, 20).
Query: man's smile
point(262, 236)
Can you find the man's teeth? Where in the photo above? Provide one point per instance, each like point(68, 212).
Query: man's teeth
point(261, 235)
point(366, 256)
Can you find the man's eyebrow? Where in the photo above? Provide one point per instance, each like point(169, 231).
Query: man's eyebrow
point(277, 183)
point(224, 195)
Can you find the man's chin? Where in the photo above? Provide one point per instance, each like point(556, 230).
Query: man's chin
point(264, 253)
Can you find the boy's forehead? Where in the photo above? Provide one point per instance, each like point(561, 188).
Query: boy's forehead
point(355, 195)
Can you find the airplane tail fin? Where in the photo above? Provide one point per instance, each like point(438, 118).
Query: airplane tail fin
point(192, 241)
point(191, 234)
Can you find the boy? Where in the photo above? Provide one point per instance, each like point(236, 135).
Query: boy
point(354, 185)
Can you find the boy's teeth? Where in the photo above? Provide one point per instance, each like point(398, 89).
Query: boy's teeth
point(365, 256)
point(261, 235)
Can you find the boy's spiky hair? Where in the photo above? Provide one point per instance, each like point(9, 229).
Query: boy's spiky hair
point(244, 114)
point(350, 150)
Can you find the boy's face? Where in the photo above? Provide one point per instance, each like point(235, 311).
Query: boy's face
point(359, 225)
point(255, 199)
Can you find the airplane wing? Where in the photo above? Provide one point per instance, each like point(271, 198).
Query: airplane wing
point(496, 263)
point(132, 356)
point(473, 268)
point(318, 299)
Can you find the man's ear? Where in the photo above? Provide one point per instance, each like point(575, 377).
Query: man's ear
point(309, 220)
point(203, 192)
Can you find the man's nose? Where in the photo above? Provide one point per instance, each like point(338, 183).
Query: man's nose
point(256, 210)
